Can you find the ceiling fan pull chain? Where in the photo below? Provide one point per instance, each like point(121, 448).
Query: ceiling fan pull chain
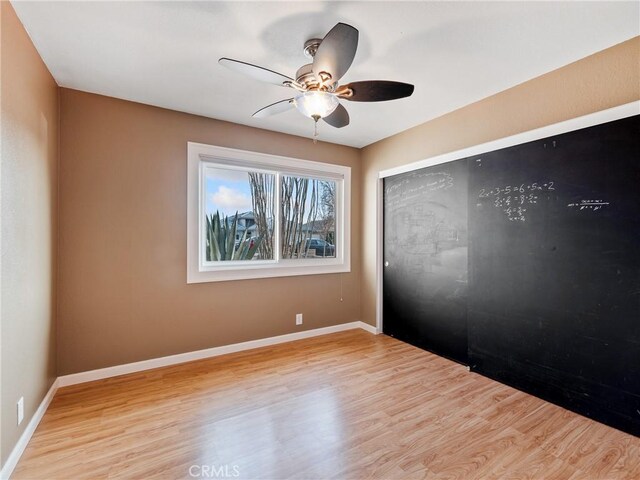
point(315, 128)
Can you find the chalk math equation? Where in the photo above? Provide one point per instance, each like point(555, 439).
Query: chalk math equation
point(589, 205)
point(515, 200)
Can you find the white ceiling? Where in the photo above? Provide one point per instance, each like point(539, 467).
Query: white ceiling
point(455, 53)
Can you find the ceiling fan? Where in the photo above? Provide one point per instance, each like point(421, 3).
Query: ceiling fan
point(318, 93)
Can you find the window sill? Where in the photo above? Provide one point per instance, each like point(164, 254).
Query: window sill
point(223, 274)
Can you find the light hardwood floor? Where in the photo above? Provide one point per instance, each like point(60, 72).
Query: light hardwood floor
point(349, 405)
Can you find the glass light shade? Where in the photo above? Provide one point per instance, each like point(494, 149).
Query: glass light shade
point(316, 103)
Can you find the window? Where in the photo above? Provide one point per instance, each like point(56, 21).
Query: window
point(253, 215)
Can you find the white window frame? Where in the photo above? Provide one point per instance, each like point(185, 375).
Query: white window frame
point(200, 156)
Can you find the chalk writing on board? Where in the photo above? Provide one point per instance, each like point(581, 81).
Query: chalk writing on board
point(515, 200)
point(421, 231)
point(407, 189)
point(589, 205)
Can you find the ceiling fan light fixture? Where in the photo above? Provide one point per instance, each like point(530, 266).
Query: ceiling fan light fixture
point(316, 104)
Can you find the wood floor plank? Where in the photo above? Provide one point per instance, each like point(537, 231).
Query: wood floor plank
point(349, 405)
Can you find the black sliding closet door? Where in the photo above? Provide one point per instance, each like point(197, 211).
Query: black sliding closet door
point(425, 259)
point(547, 296)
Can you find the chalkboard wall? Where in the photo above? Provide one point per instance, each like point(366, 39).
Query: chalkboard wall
point(552, 303)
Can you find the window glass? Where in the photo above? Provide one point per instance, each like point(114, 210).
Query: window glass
point(239, 214)
point(308, 224)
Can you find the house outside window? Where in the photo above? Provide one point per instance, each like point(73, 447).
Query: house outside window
point(253, 215)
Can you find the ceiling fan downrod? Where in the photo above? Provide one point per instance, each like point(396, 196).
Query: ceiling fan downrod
point(311, 47)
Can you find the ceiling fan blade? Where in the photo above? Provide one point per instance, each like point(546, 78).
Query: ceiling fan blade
point(339, 118)
point(336, 52)
point(254, 71)
point(374, 91)
point(274, 108)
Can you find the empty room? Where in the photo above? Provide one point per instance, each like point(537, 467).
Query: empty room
point(320, 240)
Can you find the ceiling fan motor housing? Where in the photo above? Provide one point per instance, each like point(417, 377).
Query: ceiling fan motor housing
point(305, 76)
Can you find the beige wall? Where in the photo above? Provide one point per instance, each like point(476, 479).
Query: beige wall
point(29, 135)
point(604, 80)
point(123, 292)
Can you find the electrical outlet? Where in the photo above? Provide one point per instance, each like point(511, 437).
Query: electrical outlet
point(298, 319)
point(20, 410)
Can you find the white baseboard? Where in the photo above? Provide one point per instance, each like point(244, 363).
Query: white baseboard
point(23, 441)
point(368, 328)
point(117, 370)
